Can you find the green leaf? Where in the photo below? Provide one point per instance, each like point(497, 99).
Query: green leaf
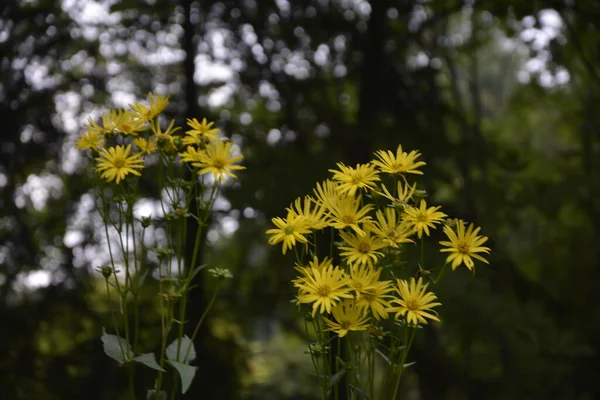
point(116, 347)
point(152, 394)
point(185, 343)
point(387, 360)
point(186, 372)
point(149, 360)
point(336, 377)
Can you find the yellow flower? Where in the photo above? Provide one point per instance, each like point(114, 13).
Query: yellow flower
point(353, 179)
point(390, 230)
point(155, 106)
point(464, 245)
point(128, 123)
point(116, 162)
point(146, 146)
point(201, 132)
point(288, 231)
point(362, 277)
point(404, 190)
point(165, 140)
point(323, 289)
point(313, 264)
point(90, 140)
point(414, 301)
point(218, 160)
point(423, 218)
point(313, 213)
point(401, 163)
point(347, 213)
point(327, 194)
point(94, 128)
point(191, 155)
point(361, 249)
point(375, 297)
point(348, 317)
point(109, 121)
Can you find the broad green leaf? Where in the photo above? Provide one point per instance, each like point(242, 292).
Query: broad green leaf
point(149, 360)
point(116, 347)
point(185, 343)
point(186, 372)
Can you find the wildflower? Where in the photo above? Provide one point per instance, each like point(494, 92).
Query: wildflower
point(146, 146)
point(362, 277)
point(220, 273)
point(128, 123)
point(218, 160)
point(323, 289)
point(405, 192)
point(347, 213)
point(288, 231)
point(414, 301)
point(348, 317)
point(155, 106)
point(464, 245)
point(375, 297)
point(313, 213)
point(423, 218)
point(353, 179)
point(116, 162)
point(93, 128)
point(401, 163)
point(90, 140)
point(109, 121)
point(327, 194)
point(165, 140)
point(313, 264)
point(201, 132)
point(391, 231)
point(191, 155)
point(361, 249)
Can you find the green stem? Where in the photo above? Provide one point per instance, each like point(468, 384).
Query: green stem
point(407, 347)
point(197, 328)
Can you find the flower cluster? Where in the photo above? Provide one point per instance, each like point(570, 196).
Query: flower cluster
point(124, 138)
point(374, 211)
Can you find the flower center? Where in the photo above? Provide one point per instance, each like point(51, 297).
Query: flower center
point(323, 290)
point(412, 304)
point(219, 163)
point(369, 295)
point(364, 247)
point(119, 163)
point(288, 230)
point(463, 247)
point(347, 219)
point(422, 218)
point(345, 325)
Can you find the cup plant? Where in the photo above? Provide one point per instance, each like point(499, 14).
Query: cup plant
point(189, 169)
point(363, 303)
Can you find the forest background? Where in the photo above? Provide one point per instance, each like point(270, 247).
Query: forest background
point(500, 96)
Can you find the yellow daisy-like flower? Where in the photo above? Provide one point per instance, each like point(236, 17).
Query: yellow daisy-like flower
point(191, 155)
point(348, 317)
point(390, 230)
point(93, 128)
point(165, 140)
point(201, 132)
point(219, 161)
point(414, 302)
point(90, 140)
point(400, 163)
point(347, 213)
point(155, 106)
point(146, 146)
point(423, 218)
point(115, 163)
point(463, 246)
point(327, 194)
point(288, 231)
point(361, 249)
point(128, 123)
point(362, 277)
point(313, 213)
point(405, 192)
point(313, 264)
point(353, 179)
point(109, 121)
point(375, 298)
point(323, 289)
